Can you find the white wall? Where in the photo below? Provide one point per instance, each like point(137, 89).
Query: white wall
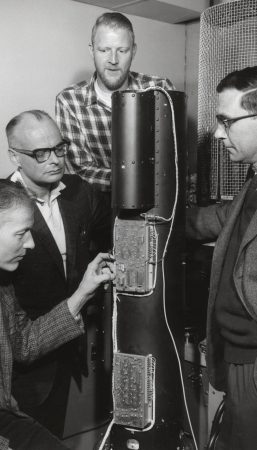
point(191, 88)
point(43, 48)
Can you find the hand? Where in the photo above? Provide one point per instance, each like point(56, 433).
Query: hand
point(100, 271)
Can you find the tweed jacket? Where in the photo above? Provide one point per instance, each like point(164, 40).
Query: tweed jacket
point(25, 340)
point(40, 282)
point(218, 221)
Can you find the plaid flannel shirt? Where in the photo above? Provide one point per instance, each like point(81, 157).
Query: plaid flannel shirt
point(86, 122)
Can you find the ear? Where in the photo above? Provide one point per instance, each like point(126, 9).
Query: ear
point(91, 49)
point(14, 157)
point(134, 50)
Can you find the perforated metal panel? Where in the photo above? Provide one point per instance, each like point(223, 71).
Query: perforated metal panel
point(228, 41)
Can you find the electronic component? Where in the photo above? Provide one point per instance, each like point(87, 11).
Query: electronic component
point(133, 388)
point(136, 254)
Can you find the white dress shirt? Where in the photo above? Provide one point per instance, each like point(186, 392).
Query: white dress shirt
point(51, 213)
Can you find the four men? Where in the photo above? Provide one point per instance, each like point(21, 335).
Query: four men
point(69, 213)
point(83, 110)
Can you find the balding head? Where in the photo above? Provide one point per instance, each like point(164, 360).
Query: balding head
point(22, 127)
point(30, 131)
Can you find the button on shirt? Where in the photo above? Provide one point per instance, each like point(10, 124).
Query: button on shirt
point(51, 213)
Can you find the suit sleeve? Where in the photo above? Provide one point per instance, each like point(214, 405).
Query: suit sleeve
point(32, 339)
point(206, 223)
point(4, 443)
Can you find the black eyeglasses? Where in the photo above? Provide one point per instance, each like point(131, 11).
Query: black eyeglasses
point(228, 122)
point(43, 154)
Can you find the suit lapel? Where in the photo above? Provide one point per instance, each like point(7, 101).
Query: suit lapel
point(250, 233)
point(45, 236)
point(70, 223)
point(224, 237)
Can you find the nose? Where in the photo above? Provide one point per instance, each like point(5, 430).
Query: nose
point(220, 132)
point(28, 241)
point(53, 158)
point(113, 57)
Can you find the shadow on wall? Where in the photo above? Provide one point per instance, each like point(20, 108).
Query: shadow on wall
point(81, 75)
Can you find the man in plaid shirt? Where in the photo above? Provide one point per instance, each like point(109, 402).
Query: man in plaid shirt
point(83, 110)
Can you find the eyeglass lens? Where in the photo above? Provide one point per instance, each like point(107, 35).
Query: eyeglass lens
point(44, 154)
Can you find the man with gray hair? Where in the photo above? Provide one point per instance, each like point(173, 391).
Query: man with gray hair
point(83, 110)
point(23, 339)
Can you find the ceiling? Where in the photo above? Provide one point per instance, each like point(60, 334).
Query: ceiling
point(170, 11)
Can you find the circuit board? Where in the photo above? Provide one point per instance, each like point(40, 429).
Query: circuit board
point(135, 253)
point(133, 388)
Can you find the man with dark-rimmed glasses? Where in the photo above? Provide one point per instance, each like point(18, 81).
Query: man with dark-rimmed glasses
point(232, 308)
point(43, 154)
point(221, 120)
point(69, 215)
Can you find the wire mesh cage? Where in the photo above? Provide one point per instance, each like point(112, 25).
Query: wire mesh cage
point(228, 42)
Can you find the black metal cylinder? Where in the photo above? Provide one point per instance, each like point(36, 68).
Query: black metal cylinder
point(142, 322)
point(133, 150)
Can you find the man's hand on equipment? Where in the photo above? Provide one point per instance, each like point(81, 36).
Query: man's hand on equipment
point(100, 271)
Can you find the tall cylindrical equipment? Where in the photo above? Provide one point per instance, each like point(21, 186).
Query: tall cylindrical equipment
point(149, 246)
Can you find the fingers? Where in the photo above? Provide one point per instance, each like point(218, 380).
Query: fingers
point(101, 262)
point(105, 277)
point(101, 257)
point(109, 271)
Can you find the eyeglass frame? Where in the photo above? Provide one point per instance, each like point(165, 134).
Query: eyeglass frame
point(32, 153)
point(228, 122)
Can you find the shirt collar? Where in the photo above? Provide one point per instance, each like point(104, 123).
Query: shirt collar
point(102, 96)
point(132, 81)
point(89, 93)
point(55, 192)
point(90, 97)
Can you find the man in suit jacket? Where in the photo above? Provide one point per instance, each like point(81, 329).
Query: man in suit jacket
point(69, 215)
point(25, 340)
point(232, 307)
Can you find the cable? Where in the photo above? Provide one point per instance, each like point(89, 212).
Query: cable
point(171, 218)
point(85, 430)
point(214, 434)
point(160, 220)
point(106, 435)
